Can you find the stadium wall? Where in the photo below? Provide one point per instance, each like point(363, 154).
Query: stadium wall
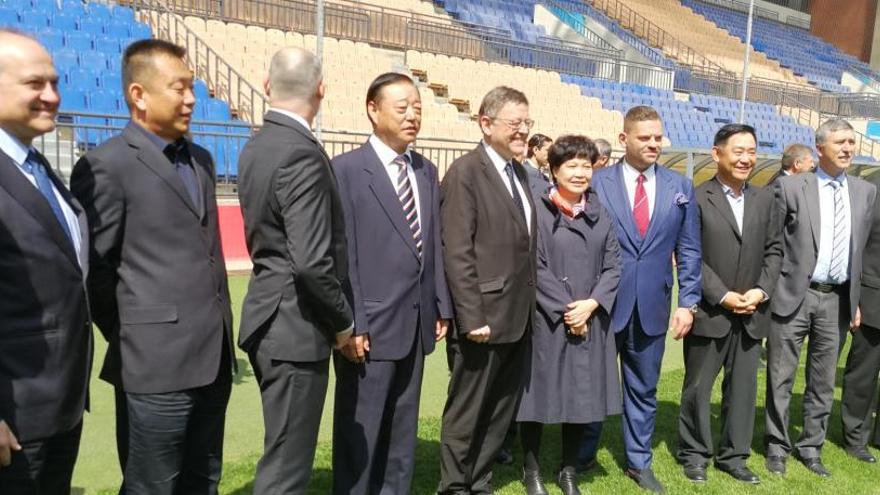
point(849, 24)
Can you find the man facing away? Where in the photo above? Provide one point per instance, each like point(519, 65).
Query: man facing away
point(45, 337)
point(657, 216)
point(488, 230)
point(825, 221)
point(741, 258)
point(158, 287)
point(391, 199)
point(295, 309)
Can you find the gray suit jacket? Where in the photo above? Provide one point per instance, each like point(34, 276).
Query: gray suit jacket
point(797, 199)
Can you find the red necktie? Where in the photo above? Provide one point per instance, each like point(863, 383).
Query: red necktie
point(640, 208)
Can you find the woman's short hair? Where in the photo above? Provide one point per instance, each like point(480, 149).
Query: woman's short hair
point(570, 147)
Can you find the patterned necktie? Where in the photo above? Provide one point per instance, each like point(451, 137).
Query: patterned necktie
point(514, 192)
point(34, 166)
point(840, 240)
point(640, 206)
point(408, 201)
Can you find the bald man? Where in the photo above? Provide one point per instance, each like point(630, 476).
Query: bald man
point(158, 288)
point(295, 310)
point(45, 339)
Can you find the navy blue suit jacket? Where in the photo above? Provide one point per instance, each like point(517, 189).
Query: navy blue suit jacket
point(393, 293)
point(646, 277)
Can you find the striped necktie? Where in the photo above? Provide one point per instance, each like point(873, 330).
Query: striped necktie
point(34, 166)
point(408, 201)
point(840, 240)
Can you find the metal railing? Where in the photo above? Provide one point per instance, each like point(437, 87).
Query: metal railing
point(799, 5)
point(864, 76)
point(743, 6)
point(247, 102)
point(642, 27)
point(812, 117)
point(591, 36)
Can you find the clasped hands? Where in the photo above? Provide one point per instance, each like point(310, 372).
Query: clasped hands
point(743, 304)
point(576, 317)
point(356, 347)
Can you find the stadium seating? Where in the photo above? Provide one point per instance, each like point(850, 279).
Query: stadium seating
point(820, 62)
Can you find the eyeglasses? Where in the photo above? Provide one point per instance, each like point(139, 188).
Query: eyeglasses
point(517, 124)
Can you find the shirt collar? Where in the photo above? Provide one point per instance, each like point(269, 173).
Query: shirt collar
point(728, 191)
point(294, 116)
point(385, 153)
point(499, 162)
point(161, 143)
point(633, 172)
point(10, 145)
point(823, 178)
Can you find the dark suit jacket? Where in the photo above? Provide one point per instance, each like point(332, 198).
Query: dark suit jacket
point(158, 287)
point(797, 199)
point(489, 252)
point(295, 231)
point(736, 262)
point(870, 303)
point(45, 338)
point(393, 293)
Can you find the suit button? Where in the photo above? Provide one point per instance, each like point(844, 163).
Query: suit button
point(415, 305)
point(531, 283)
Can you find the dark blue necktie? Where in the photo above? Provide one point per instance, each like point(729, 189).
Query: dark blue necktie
point(178, 153)
point(517, 200)
point(34, 166)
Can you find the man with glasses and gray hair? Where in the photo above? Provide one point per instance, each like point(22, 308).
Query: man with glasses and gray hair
point(825, 222)
point(488, 231)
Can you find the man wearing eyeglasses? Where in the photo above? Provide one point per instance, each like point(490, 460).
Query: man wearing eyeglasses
point(488, 231)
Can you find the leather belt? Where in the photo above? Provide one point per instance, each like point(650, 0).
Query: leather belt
point(827, 288)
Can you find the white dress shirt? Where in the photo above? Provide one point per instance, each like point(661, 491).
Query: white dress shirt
point(500, 163)
point(821, 273)
point(630, 178)
point(19, 153)
point(737, 203)
point(294, 116)
point(386, 157)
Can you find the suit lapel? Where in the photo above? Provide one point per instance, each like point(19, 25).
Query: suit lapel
point(751, 213)
point(811, 185)
point(855, 209)
point(616, 188)
point(494, 178)
point(719, 200)
point(385, 193)
point(662, 204)
point(152, 158)
point(30, 198)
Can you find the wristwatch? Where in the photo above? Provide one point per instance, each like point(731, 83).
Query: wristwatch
point(693, 309)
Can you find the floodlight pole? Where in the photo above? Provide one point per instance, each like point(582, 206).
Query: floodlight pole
point(319, 52)
point(745, 82)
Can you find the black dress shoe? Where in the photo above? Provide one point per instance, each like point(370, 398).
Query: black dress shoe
point(532, 481)
point(743, 474)
point(814, 464)
point(645, 479)
point(504, 457)
point(775, 464)
point(862, 454)
point(695, 473)
point(567, 481)
point(584, 467)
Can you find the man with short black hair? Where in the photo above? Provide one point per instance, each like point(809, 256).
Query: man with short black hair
point(489, 241)
point(158, 287)
point(391, 199)
point(45, 336)
point(741, 257)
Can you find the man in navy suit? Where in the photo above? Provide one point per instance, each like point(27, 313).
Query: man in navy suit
point(391, 200)
point(45, 336)
point(657, 217)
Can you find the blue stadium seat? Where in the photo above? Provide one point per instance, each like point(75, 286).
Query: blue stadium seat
point(118, 29)
point(81, 42)
point(82, 78)
point(72, 99)
point(141, 31)
point(65, 60)
point(8, 17)
point(92, 25)
point(99, 11)
point(64, 22)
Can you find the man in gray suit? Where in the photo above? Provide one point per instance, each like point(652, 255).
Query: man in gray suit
point(157, 287)
point(295, 310)
point(825, 219)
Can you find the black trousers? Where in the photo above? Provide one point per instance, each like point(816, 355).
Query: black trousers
point(375, 423)
point(480, 405)
point(175, 439)
point(859, 398)
point(42, 467)
point(293, 396)
point(738, 354)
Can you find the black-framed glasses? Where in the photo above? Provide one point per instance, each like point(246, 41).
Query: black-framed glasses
point(517, 124)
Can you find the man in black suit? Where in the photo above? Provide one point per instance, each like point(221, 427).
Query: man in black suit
point(391, 199)
point(295, 310)
point(158, 282)
point(45, 339)
point(741, 261)
point(863, 361)
point(488, 229)
point(796, 159)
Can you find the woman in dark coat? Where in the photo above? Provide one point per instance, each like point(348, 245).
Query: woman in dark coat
point(572, 377)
